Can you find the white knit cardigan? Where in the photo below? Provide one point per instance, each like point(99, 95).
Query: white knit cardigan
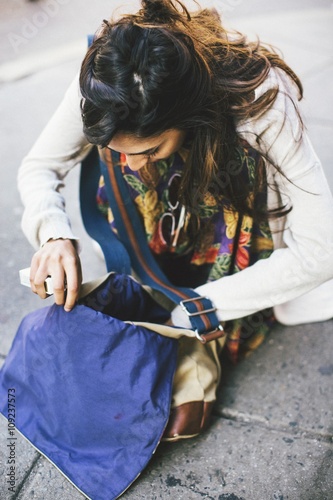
point(297, 279)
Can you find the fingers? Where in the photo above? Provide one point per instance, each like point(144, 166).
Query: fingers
point(58, 281)
point(58, 259)
point(35, 277)
point(73, 279)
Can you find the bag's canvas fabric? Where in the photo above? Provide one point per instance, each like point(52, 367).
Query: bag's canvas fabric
point(93, 392)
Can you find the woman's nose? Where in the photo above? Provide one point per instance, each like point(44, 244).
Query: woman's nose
point(135, 162)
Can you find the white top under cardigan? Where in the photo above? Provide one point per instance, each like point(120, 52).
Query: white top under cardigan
point(296, 279)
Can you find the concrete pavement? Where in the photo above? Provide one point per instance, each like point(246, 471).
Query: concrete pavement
point(272, 433)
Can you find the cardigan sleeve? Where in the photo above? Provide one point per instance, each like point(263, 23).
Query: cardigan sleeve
point(303, 241)
point(60, 147)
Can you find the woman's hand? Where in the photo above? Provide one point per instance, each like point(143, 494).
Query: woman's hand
point(58, 259)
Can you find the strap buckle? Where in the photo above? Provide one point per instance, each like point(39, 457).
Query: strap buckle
point(196, 313)
point(212, 335)
point(203, 336)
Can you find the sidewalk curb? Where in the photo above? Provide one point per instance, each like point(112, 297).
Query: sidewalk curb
point(27, 66)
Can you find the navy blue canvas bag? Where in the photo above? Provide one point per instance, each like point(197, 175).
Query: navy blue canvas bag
point(93, 387)
point(92, 392)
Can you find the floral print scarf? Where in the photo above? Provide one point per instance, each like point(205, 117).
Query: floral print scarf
point(210, 255)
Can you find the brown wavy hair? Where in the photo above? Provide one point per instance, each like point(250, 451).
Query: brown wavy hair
point(166, 68)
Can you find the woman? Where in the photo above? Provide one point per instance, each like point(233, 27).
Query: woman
point(233, 198)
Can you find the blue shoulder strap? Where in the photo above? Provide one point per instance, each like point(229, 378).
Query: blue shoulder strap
point(131, 232)
point(96, 225)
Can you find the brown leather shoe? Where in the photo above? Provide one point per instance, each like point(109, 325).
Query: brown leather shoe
point(187, 420)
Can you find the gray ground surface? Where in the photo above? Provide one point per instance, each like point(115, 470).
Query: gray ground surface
point(271, 438)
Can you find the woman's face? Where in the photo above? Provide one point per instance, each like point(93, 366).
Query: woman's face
point(140, 151)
